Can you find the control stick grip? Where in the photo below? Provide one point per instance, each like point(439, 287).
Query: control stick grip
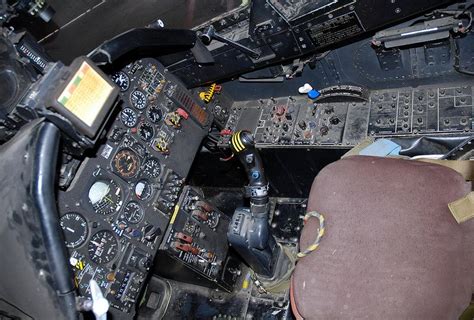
point(243, 145)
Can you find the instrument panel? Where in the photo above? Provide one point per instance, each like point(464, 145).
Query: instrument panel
point(117, 208)
point(301, 122)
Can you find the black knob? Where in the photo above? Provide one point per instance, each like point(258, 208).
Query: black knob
point(144, 264)
point(302, 125)
point(151, 232)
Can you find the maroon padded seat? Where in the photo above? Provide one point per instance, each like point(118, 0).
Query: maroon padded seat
point(392, 249)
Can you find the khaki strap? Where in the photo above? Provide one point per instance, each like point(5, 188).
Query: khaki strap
point(461, 209)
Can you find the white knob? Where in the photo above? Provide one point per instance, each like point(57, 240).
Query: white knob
point(100, 305)
point(305, 89)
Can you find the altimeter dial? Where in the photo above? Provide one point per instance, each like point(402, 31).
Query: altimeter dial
point(103, 247)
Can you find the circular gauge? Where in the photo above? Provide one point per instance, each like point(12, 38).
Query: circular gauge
point(152, 168)
point(103, 247)
point(146, 131)
point(155, 114)
point(122, 80)
point(126, 163)
point(74, 228)
point(138, 99)
point(129, 117)
point(105, 197)
point(143, 190)
point(133, 213)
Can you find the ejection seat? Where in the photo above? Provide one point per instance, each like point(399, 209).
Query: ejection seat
point(391, 250)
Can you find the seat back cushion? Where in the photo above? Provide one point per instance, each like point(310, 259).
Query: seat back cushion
point(392, 249)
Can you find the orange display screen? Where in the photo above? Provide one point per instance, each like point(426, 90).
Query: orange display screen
point(86, 94)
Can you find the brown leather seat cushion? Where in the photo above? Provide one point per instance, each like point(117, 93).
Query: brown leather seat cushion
point(392, 250)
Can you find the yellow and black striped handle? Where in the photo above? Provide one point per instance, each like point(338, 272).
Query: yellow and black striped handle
point(237, 143)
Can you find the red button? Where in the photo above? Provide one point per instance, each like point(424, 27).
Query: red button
point(182, 113)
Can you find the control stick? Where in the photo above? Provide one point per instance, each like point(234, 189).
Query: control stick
point(243, 145)
point(249, 231)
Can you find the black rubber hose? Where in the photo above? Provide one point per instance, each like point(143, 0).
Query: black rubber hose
point(44, 173)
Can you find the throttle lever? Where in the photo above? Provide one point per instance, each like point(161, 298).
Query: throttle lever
point(210, 34)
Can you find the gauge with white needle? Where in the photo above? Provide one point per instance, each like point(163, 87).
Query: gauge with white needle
point(122, 80)
point(74, 228)
point(103, 247)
